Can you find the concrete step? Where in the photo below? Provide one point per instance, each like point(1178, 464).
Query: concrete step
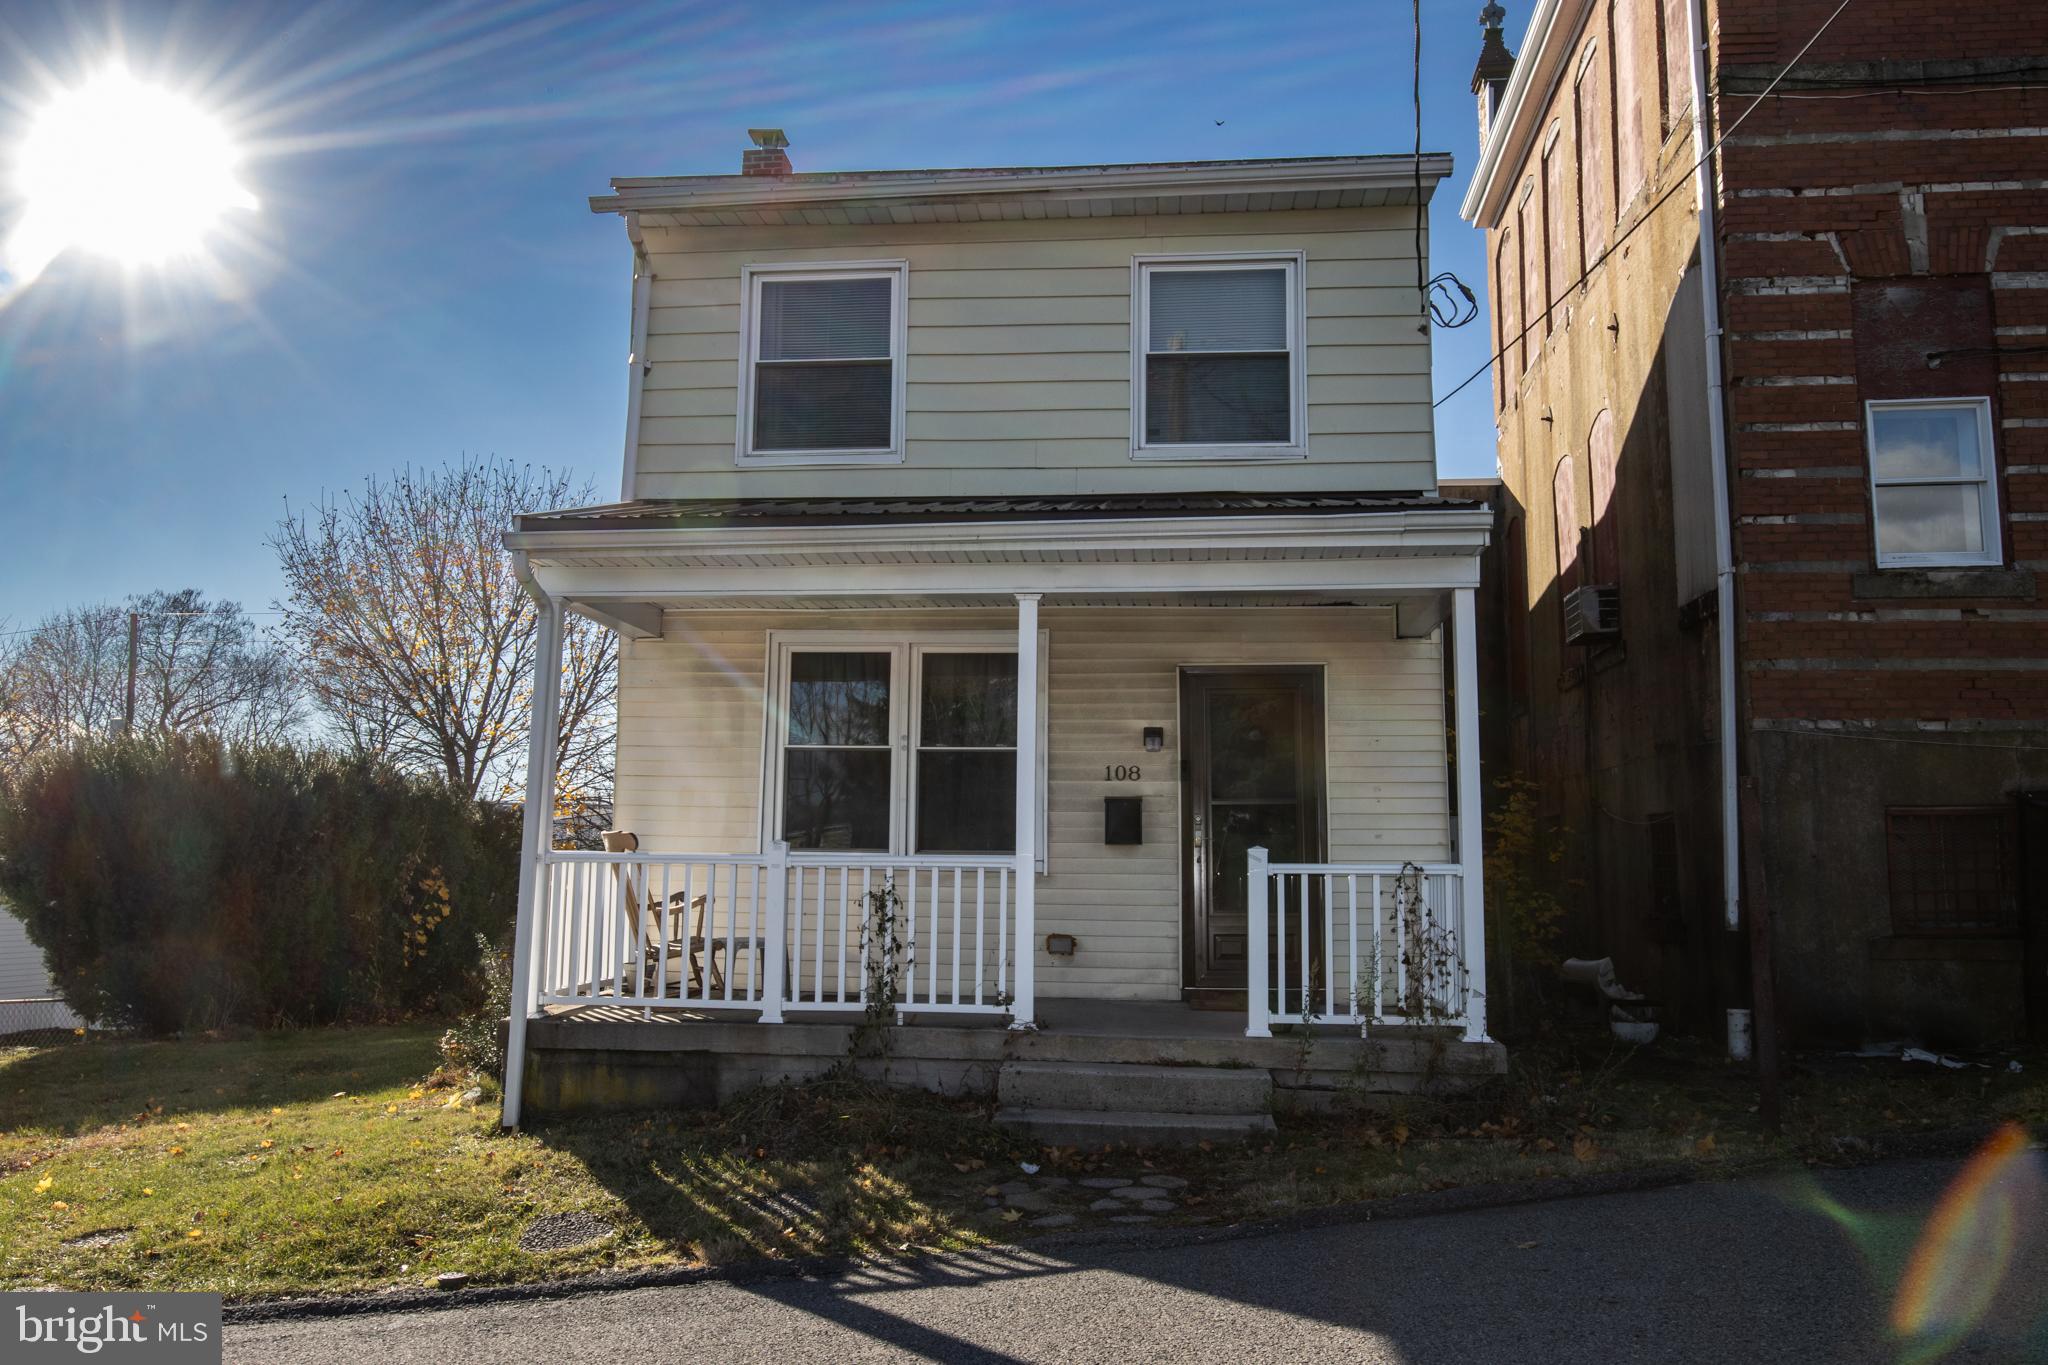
point(1121, 1087)
point(1132, 1128)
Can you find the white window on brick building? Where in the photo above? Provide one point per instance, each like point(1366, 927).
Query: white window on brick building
point(1934, 486)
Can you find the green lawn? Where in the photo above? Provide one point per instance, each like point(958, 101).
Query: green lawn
point(335, 1160)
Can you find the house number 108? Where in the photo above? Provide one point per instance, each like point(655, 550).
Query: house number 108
point(1120, 773)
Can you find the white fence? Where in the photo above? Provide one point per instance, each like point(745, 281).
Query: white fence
point(774, 932)
point(1358, 943)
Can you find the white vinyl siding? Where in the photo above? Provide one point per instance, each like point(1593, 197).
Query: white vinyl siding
point(691, 732)
point(24, 976)
point(1018, 363)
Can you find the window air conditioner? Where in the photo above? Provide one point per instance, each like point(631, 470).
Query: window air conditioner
point(1592, 612)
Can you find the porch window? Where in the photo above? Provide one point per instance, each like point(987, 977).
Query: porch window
point(897, 746)
point(823, 377)
point(835, 763)
point(967, 754)
point(1218, 361)
point(1933, 489)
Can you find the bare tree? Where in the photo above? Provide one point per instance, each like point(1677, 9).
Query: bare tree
point(421, 640)
point(199, 665)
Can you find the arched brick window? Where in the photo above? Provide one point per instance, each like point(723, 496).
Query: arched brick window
point(1600, 456)
point(1631, 62)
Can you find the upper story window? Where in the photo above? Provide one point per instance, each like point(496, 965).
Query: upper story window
point(1217, 368)
point(1933, 486)
point(821, 375)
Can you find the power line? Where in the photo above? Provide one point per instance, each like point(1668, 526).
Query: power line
point(1678, 184)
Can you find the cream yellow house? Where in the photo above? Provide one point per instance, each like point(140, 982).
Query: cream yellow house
point(1037, 609)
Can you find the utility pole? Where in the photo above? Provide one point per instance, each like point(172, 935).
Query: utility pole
point(134, 655)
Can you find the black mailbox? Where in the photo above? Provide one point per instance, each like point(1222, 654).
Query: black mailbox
point(1123, 820)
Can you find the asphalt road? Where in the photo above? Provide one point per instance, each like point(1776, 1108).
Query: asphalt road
point(1738, 1271)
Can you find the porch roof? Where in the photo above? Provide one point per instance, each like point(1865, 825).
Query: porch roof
point(817, 512)
point(624, 563)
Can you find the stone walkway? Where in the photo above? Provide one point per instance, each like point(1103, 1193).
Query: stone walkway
point(1054, 1201)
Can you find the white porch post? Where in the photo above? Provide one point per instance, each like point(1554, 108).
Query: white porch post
point(775, 867)
point(1024, 1007)
point(1258, 1021)
point(536, 839)
point(1471, 847)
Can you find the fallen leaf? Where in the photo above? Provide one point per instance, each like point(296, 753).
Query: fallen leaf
point(177, 1151)
point(1525, 1246)
point(268, 1143)
point(1583, 1148)
point(44, 1184)
point(149, 1190)
point(192, 1233)
point(1012, 1215)
point(1705, 1146)
point(59, 1205)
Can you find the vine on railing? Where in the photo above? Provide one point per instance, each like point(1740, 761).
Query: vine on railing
point(1429, 951)
point(884, 956)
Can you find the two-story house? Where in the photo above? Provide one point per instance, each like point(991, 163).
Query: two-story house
point(1038, 610)
point(1768, 297)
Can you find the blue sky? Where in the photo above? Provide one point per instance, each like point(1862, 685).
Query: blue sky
point(424, 279)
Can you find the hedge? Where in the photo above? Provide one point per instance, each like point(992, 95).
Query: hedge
point(183, 883)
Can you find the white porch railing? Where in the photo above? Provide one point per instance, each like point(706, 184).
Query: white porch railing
point(1360, 943)
point(770, 932)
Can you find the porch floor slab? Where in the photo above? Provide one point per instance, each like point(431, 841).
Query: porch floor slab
point(610, 1056)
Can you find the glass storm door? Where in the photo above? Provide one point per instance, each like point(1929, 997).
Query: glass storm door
point(1253, 777)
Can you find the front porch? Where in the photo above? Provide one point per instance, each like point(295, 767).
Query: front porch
point(1288, 840)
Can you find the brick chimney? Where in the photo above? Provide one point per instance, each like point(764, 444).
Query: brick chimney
point(1496, 65)
point(766, 156)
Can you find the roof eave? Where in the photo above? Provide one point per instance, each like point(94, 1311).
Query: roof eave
point(1353, 172)
point(1547, 44)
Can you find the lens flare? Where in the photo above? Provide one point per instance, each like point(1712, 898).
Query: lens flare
point(1963, 1253)
point(122, 169)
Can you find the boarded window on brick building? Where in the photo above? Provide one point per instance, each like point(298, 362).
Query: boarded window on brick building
point(1952, 871)
point(1595, 170)
point(1564, 496)
point(1507, 316)
point(1631, 62)
point(1601, 457)
point(1557, 267)
point(1675, 31)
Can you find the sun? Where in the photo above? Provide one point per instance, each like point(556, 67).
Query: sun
point(124, 170)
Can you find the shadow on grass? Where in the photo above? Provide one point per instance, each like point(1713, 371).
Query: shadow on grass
point(81, 1086)
point(836, 1168)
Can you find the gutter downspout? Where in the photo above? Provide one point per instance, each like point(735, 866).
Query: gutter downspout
point(536, 835)
point(1717, 440)
point(637, 364)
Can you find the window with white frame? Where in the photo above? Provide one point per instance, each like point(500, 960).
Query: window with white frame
point(1934, 486)
point(896, 745)
point(1218, 356)
point(821, 375)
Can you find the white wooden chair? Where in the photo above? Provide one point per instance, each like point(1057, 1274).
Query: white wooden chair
point(663, 959)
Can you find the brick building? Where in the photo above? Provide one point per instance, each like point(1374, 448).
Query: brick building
point(1857, 372)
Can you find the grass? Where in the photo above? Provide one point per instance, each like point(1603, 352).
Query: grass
point(339, 1160)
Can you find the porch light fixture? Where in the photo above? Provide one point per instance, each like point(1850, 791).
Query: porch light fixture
point(1155, 738)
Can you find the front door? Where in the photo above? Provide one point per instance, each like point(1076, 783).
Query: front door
point(1253, 753)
